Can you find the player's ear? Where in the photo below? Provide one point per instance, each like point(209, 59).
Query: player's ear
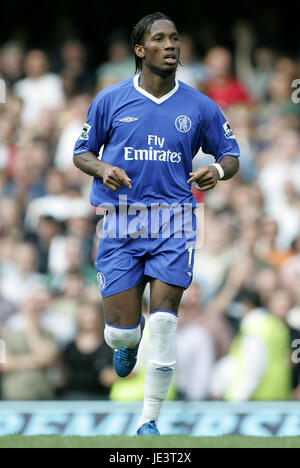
point(139, 51)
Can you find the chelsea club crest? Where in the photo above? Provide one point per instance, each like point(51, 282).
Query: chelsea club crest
point(101, 280)
point(183, 124)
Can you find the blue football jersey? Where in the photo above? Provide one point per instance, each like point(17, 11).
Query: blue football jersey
point(153, 140)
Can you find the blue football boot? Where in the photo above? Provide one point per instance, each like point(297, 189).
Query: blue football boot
point(125, 358)
point(148, 429)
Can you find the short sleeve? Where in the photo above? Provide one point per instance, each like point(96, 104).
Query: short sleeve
point(96, 129)
point(218, 138)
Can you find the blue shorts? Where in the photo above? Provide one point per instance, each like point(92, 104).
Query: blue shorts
point(161, 252)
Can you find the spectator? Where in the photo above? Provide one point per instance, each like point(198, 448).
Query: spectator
point(241, 119)
point(197, 349)
point(289, 273)
point(120, 65)
point(40, 89)
point(11, 62)
point(67, 255)
point(76, 74)
point(268, 249)
point(46, 230)
point(212, 261)
point(22, 183)
point(223, 88)
point(10, 219)
point(7, 310)
point(30, 352)
point(256, 73)
point(55, 203)
point(59, 201)
point(88, 359)
point(266, 283)
point(62, 314)
point(273, 177)
point(258, 366)
point(192, 71)
point(23, 273)
point(70, 131)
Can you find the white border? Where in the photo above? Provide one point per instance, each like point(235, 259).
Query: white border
point(150, 96)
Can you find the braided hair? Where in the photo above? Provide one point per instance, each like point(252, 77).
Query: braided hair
point(141, 29)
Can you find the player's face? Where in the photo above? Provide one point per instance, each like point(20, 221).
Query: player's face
point(161, 49)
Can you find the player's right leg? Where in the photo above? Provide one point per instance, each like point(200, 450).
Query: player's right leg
point(120, 274)
point(124, 326)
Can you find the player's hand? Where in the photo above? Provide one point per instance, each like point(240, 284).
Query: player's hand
point(114, 177)
point(205, 177)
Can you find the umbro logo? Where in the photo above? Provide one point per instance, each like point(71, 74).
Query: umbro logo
point(129, 119)
point(164, 369)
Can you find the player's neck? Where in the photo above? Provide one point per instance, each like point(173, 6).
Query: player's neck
point(156, 85)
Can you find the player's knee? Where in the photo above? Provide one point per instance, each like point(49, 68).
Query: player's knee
point(163, 322)
point(118, 337)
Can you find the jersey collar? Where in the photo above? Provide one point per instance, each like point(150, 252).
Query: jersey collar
point(150, 96)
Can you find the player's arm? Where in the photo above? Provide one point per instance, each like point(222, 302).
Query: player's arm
point(94, 134)
point(113, 177)
point(207, 177)
point(217, 139)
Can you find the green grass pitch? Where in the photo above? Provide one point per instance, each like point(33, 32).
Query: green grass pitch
point(174, 442)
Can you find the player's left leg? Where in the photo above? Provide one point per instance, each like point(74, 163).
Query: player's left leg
point(124, 326)
point(164, 303)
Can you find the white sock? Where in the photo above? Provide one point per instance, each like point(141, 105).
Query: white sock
point(118, 337)
point(161, 363)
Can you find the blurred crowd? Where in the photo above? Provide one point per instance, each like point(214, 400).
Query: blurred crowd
point(240, 319)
